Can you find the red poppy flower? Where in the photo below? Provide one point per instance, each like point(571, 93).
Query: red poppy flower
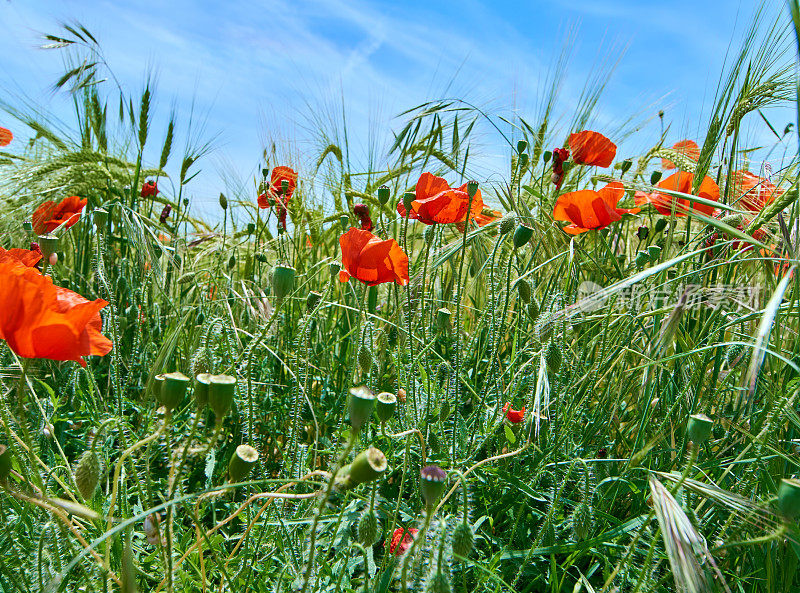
point(680, 182)
point(592, 148)
point(5, 137)
point(40, 320)
point(362, 211)
point(371, 260)
point(149, 189)
point(275, 192)
point(687, 148)
point(754, 192)
point(514, 416)
point(560, 155)
point(588, 209)
point(49, 215)
point(27, 257)
point(437, 202)
point(401, 540)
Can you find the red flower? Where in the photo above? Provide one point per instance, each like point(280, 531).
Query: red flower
point(149, 189)
point(437, 202)
point(588, 209)
point(592, 148)
point(688, 148)
point(362, 211)
point(275, 191)
point(401, 540)
point(165, 214)
point(40, 320)
point(5, 137)
point(680, 182)
point(514, 416)
point(27, 257)
point(371, 260)
point(754, 192)
point(560, 155)
point(49, 215)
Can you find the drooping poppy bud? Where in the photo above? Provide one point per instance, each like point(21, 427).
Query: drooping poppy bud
point(432, 484)
point(463, 540)
point(149, 189)
point(522, 235)
point(655, 177)
point(524, 289)
point(367, 529)
point(553, 357)
point(521, 146)
point(165, 214)
point(507, 224)
point(223, 201)
point(642, 232)
point(282, 281)
point(788, 498)
point(408, 198)
point(582, 521)
point(87, 473)
point(661, 224)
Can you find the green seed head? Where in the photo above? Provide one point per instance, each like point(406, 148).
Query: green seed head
point(507, 224)
point(661, 224)
point(463, 540)
point(553, 357)
point(362, 400)
point(383, 194)
point(432, 484)
point(173, 389)
point(582, 521)
point(524, 289)
point(201, 386)
point(385, 405)
point(699, 428)
point(282, 281)
point(368, 465)
point(242, 461)
point(655, 177)
point(522, 235)
point(443, 319)
point(367, 529)
point(642, 259)
point(221, 389)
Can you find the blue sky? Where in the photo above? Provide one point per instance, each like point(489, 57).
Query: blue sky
point(256, 70)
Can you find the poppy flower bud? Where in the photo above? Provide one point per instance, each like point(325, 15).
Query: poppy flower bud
point(158, 383)
point(48, 245)
point(251, 228)
point(5, 462)
point(87, 474)
point(463, 540)
point(100, 217)
point(242, 461)
point(655, 177)
point(282, 281)
point(365, 359)
point(661, 224)
point(173, 390)
point(642, 233)
point(699, 428)
point(553, 357)
point(443, 319)
point(524, 289)
point(344, 222)
point(35, 247)
point(231, 262)
point(261, 257)
point(432, 484)
point(312, 300)
point(165, 214)
point(27, 226)
point(408, 197)
point(223, 201)
point(472, 188)
point(385, 405)
point(654, 252)
point(546, 156)
point(788, 498)
point(221, 389)
point(383, 194)
point(642, 259)
point(533, 309)
point(362, 400)
point(521, 146)
point(523, 160)
point(367, 529)
point(522, 235)
point(625, 166)
point(401, 395)
point(265, 172)
point(581, 521)
point(201, 388)
point(507, 224)
point(368, 465)
point(361, 210)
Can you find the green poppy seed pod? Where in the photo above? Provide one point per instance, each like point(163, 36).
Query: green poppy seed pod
point(661, 224)
point(221, 389)
point(507, 224)
point(788, 498)
point(334, 268)
point(313, 299)
point(655, 177)
point(365, 359)
point(432, 484)
point(524, 290)
point(654, 253)
point(625, 166)
point(201, 318)
point(463, 540)
point(553, 357)
point(261, 257)
point(430, 233)
point(48, 244)
point(87, 474)
point(251, 228)
point(443, 319)
point(27, 226)
point(521, 146)
point(173, 390)
point(223, 201)
point(523, 160)
point(201, 387)
point(383, 194)
point(533, 309)
point(284, 186)
point(158, 383)
point(522, 235)
point(472, 188)
point(582, 521)
point(366, 467)
point(5, 462)
point(642, 232)
point(438, 583)
point(642, 259)
point(282, 281)
point(408, 197)
point(546, 156)
point(231, 262)
point(242, 461)
point(699, 428)
point(362, 401)
point(367, 529)
point(100, 217)
point(385, 404)
point(265, 172)
point(344, 222)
